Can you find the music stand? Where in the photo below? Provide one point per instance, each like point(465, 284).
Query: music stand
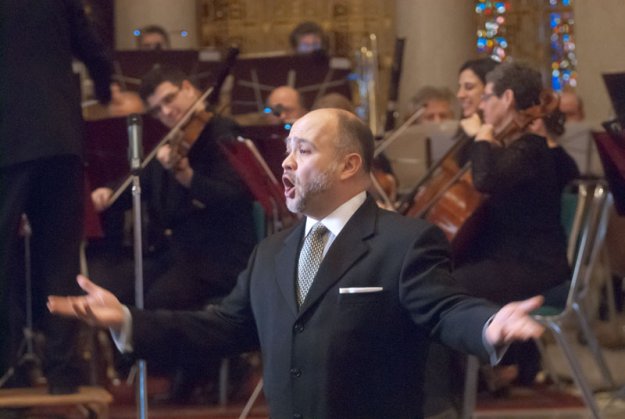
point(313, 75)
point(270, 141)
point(131, 66)
point(611, 144)
point(615, 84)
point(612, 156)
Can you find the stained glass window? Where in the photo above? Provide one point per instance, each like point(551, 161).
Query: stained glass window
point(491, 33)
point(495, 33)
point(562, 45)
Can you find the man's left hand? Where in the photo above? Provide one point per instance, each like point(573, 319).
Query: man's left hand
point(183, 172)
point(513, 322)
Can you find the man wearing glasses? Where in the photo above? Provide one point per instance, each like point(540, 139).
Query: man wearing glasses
point(200, 229)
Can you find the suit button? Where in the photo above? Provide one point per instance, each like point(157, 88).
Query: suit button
point(296, 372)
point(299, 328)
point(297, 416)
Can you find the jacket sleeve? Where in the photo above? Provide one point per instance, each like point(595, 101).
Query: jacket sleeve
point(218, 330)
point(89, 48)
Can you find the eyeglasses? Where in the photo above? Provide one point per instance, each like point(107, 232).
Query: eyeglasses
point(166, 101)
point(486, 96)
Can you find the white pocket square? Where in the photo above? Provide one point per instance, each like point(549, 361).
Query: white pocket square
point(359, 290)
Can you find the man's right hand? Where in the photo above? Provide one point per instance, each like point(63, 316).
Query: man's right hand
point(471, 125)
point(98, 308)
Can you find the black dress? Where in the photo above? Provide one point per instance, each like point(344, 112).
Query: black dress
point(521, 248)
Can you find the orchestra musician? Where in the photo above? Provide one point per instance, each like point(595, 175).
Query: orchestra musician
point(200, 228)
point(152, 37)
point(42, 173)
point(286, 104)
point(471, 85)
point(437, 104)
point(308, 37)
point(521, 247)
point(353, 345)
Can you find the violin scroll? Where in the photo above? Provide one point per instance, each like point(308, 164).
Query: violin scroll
point(548, 103)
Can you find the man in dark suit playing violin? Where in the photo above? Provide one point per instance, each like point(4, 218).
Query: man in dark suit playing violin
point(200, 213)
point(341, 305)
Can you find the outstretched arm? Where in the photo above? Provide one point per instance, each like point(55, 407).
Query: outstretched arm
point(513, 322)
point(98, 308)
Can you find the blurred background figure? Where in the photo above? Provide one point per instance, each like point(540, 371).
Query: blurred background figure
point(334, 100)
point(153, 37)
point(308, 37)
point(572, 106)
point(427, 139)
point(285, 105)
point(438, 104)
point(577, 137)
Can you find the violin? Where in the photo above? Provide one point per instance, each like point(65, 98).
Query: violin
point(548, 103)
point(182, 143)
point(187, 130)
point(385, 186)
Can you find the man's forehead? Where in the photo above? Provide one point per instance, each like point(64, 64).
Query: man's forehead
point(293, 139)
point(283, 97)
point(163, 89)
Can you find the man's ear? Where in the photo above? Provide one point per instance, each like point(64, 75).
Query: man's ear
point(352, 163)
point(186, 86)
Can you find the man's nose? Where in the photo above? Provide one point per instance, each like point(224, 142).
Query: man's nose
point(289, 162)
point(166, 110)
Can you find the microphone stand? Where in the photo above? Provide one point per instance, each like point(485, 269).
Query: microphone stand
point(135, 151)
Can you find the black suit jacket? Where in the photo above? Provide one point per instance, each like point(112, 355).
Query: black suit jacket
point(339, 355)
point(40, 113)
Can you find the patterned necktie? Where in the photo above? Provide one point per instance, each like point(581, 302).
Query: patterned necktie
point(309, 259)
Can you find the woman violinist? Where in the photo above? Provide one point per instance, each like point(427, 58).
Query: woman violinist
point(521, 248)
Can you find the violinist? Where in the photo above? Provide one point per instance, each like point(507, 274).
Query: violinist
point(200, 228)
point(521, 247)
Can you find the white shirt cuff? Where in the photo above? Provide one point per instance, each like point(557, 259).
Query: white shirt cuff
point(495, 353)
point(123, 337)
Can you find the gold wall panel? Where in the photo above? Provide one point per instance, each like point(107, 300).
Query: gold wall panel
point(258, 26)
point(263, 26)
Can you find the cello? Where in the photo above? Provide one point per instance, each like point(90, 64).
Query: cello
point(446, 196)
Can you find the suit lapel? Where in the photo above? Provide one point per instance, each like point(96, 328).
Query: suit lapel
point(286, 265)
point(347, 249)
